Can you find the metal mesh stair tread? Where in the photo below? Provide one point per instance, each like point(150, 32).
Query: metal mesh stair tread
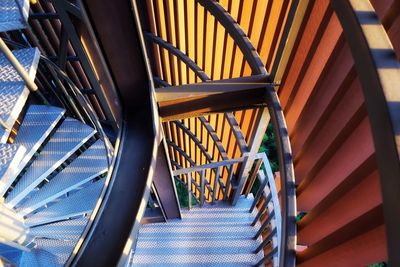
point(76, 204)
point(58, 252)
point(38, 123)
point(206, 242)
point(90, 164)
point(13, 14)
point(13, 91)
point(71, 135)
point(68, 230)
point(10, 157)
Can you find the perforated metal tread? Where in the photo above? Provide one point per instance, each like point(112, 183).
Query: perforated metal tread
point(13, 91)
point(71, 135)
point(13, 14)
point(90, 164)
point(206, 242)
point(10, 156)
point(58, 252)
point(79, 203)
point(38, 123)
point(68, 230)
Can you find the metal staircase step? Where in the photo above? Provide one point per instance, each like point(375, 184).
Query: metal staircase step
point(215, 235)
point(68, 230)
point(13, 14)
point(13, 91)
point(71, 135)
point(79, 203)
point(90, 164)
point(58, 252)
point(10, 157)
point(38, 123)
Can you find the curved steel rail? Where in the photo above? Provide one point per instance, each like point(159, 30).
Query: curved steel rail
point(379, 73)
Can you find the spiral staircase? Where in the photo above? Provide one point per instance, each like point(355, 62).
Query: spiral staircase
point(52, 166)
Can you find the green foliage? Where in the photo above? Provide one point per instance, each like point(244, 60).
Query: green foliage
point(183, 194)
point(268, 146)
point(380, 264)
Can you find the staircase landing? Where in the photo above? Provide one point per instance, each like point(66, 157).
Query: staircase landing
point(215, 235)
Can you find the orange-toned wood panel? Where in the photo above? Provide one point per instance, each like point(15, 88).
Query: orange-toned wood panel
point(362, 250)
point(335, 166)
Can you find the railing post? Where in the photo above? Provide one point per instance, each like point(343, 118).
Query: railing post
point(254, 144)
point(189, 183)
point(215, 184)
point(228, 181)
point(253, 177)
point(203, 183)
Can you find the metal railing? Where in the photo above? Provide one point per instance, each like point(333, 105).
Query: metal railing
point(76, 100)
point(209, 182)
point(213, 181)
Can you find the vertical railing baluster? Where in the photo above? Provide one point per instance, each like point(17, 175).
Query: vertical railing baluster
point(253, 177)
point(189, 183)
point(203, 184)
point(217, 170)
point(228, 181)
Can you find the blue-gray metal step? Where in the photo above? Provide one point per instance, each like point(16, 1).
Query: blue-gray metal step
point(38, 123)
point(71, 135)
point(48, 252)
point(13, 91)
point(13, 14)
point(79, 203)
point(90, 164)
point(222, 237)
point(68, 230)
point(10, 157)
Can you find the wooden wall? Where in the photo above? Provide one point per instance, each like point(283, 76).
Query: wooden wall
point(335, 167)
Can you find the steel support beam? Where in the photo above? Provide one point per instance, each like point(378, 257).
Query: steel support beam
point(177, 102)
point(165, 186)
point(379, 73)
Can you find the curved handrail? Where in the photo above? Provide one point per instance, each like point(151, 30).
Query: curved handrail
point(288, 189)
point(379, 73)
